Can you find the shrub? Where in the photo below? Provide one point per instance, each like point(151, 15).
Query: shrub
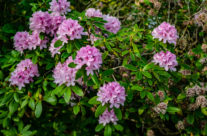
point(97, 77)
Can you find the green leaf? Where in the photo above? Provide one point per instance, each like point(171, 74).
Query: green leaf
point(137, 87)
point(148, 66)
point(58, 89)
point(150, 96)
point(67, 94)
point(95, 79)
point(31, 104)
point(140, 110)
point(99, 127)
point(38, 110)
point(138, 75)
point(107, 130)
point(58, 43)
point(118, 127)
point(108, 72)
point(13, 107)
point(93, 100)
point(72, 65)
point(181, 96)
point(173, 110)
point(130, 67)
point(16, 97)
point(77, 90)
point(51, 99)
point(190, 119)
point(118, 113)
point(100, 110)
point(147, 74)
point(204, 110)
point(76, 109)
point(24, 103)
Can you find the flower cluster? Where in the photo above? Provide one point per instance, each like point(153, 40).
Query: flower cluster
point(70, 28)
point(161, 95)
point(89, 56)
point(165, 32)
point(112, 93)
point(113, 24)
point(180, 125)
point(56, 20)
point(40, 22)
point(64, 74)
point(91, 12)
point(23, 41)
point(59, 7)
point(107, 117)
point(166, 60)
point(196, 90)
point(160, 108)
point(201, 101)
point(24, 73)
point(200, 18)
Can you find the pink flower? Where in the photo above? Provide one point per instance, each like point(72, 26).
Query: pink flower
point(112, 93)
point(160, 108)
point(201, 101)
point(70, 28)
point(165, 32)
point(64, 74)
point(166, 60)
point(113, 24)
point(56, 20)
point(89, 56)
point(40, 22)
point(21, 41)
point(59, 7)
point(107, 117)
point(24, 73)
point(91, 12)
point(53, 49)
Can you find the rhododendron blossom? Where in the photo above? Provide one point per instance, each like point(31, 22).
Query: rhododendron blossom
point(64, 74)
point(59, 7)
point(40, 22)
point(70, 28)
point(89, 56)
point(165, 32)
point(166, 60)
point(112, 93)
point(107, 117)
point(24, 73)
point(113, 24)
point(91, 12)
point(21, 41)
point(56, 20)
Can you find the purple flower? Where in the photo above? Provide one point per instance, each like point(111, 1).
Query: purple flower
point(35, 41)
point(53, 49)
point(89, 56)
point(113, 24)
point(70, 28)
point(107, 117)
point(112, 93)
point(59, 7)
point(64, 74)
point(160, 108)
point(91, 12)
point(166, 60)
point(201, 101)
point(21, 41)
point(24, 73)
point(165, 32)
point(40, 22)
point(56, 20)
